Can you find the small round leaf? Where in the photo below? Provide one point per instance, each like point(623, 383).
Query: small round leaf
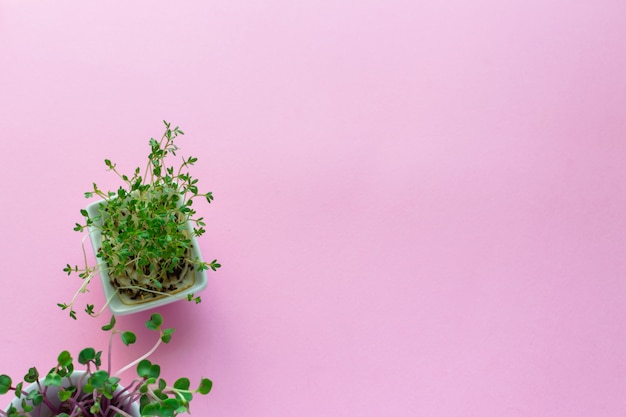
point(155, 321)
point(128, 338)
point(52, 379)
point(5, 383)
point(64, 358)
point(86, 355)
point(205, 386)
point(182, 383)
point(32, 375)
point(143, 368)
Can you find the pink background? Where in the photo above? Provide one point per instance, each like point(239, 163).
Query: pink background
point(419, 205)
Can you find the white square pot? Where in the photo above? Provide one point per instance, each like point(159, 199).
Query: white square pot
point(116, 305)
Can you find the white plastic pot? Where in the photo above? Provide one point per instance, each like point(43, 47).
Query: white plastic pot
point(119, 307)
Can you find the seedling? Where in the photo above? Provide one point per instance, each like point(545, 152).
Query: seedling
point(96, 392)
point(146, 229)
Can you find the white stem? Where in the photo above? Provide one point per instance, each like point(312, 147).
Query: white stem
point(136, 361)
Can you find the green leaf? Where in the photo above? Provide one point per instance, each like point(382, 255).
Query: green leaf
point(162, 384)
point(5, 383)
point(155, 371)
point(150, 409)
point(143, 368)
point(214, 265)
point(63, 372)
point(86, 355)
point(205, 386)
point(171, 403)
point(159, 393)
point(167, 335)
point(188, 396)
point(128, 338)
point(32, 375)
point(36, 397)
point(52, 379)
point(98, 360)
point(166, 412)
point(182, 383)
point(95, 409)
point(155, 321)
point(64, 395)
point(64, 359)
point(109, 326)
point(99, 379)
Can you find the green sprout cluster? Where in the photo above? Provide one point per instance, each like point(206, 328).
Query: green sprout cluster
point(146, 227)
point(96, 392)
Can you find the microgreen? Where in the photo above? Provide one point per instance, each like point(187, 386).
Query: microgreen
point(146, 226)
point(96, 391)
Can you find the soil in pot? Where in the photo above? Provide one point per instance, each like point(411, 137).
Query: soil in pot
point(144, 278)
point(134, 288)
